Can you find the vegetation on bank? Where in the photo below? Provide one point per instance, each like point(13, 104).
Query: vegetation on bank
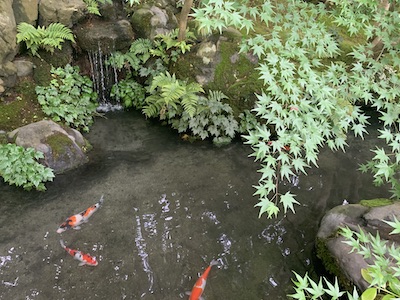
point(313, 88)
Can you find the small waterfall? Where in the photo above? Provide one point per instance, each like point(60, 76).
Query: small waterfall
point(104, 77)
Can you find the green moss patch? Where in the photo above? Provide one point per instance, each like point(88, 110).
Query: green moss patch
point(236, 77)
point(59, 143)
point(376, 202)
point(19, 106)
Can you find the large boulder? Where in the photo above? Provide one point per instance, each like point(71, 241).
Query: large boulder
point(26, 11)
point(8, 45)
point(147, 22)
point(108, 36)
point(336, 255)
point(63, 148)
point(67, 12)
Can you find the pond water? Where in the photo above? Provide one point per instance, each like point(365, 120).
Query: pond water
point(170, 207)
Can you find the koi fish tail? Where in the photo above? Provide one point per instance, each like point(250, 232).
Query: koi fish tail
point(62, 244)
point(101, 200)
point(214, 262)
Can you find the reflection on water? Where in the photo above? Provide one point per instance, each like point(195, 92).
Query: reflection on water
point(170, 208)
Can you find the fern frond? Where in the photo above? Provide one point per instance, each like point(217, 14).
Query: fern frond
point(172, 92)
point(58, 30)
point(153, 107)
point(92, 6)
point(216, 96)
point(189, 103)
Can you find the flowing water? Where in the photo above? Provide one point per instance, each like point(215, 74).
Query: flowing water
point(170, 207)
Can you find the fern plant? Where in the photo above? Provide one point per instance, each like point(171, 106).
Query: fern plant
point(20, 167)
point(171, 97)
point(213, 119)
point(69, 98)
point(93, 5)
point(48, 38)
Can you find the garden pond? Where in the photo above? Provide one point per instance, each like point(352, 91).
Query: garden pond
point(170, 207)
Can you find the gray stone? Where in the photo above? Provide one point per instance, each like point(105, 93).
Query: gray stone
point(24, 67)
point(148, 22)
point(357, 217)
point(63, 148)
point(107, 36)
point(26, 11)
point(67, 12)
point(8, 45)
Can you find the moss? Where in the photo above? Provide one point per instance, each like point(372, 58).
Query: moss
point(41, 72)
point(59, 143)
point(330, 265)
point(376, 202)
point(236, 77)
point(19, 106)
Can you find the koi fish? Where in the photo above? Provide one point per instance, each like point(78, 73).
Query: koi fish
point(76, 220)
point(200, 284)
point(84, 258)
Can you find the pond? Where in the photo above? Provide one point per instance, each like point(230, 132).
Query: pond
point(170, 207)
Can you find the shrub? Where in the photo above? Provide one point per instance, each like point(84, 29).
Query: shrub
point(212, 119)
point(19, 166)
point(69, 98)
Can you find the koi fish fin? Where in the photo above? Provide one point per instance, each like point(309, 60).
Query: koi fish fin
point(214, 262)
point(62, 244)
point(77, 227)
point(82, 263)
point(101, 200)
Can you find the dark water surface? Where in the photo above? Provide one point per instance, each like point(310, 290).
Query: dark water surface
point(154, 247)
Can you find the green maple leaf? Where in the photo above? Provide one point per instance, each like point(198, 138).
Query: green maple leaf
point(288, 201)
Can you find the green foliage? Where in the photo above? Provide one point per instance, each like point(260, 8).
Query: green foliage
point(93, 5)
point(212, 119)
point(135, 58)
point(132, 2)
point(382, 274)
point(307, 288)
point(69, 98)
point(169, 48)
point(130, 92)
point(19, 166)
point(171, 97)
point(47, 38)
point(310, 97)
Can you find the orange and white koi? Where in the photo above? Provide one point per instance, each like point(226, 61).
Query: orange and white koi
point(76, 220)
point(84, 258)
point(200, 284)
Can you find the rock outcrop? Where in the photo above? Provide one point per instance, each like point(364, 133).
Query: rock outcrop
point(63, 148)
point(336, 255)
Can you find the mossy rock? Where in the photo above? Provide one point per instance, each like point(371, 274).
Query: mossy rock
point(376, 202)
point(331, 266)
point(19, 106)
point(232, 73)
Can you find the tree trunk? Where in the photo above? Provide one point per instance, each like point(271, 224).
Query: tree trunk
point(187, 6)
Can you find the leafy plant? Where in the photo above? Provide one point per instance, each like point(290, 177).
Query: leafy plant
point(310, 97)
point(169, 48)
point(48, 38)
point(171, 97)
point(382, 274)
point(19, 166)
point(212, 119)
point(130, 92)
point(69, 98)
point(135, 58)
point(93, 5)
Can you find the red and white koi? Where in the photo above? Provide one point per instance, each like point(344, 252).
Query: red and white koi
point(200, 284)
point(84, 258)
point(76, 220)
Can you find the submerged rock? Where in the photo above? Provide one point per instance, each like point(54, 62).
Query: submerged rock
point(63, 148)
point(367, 216)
